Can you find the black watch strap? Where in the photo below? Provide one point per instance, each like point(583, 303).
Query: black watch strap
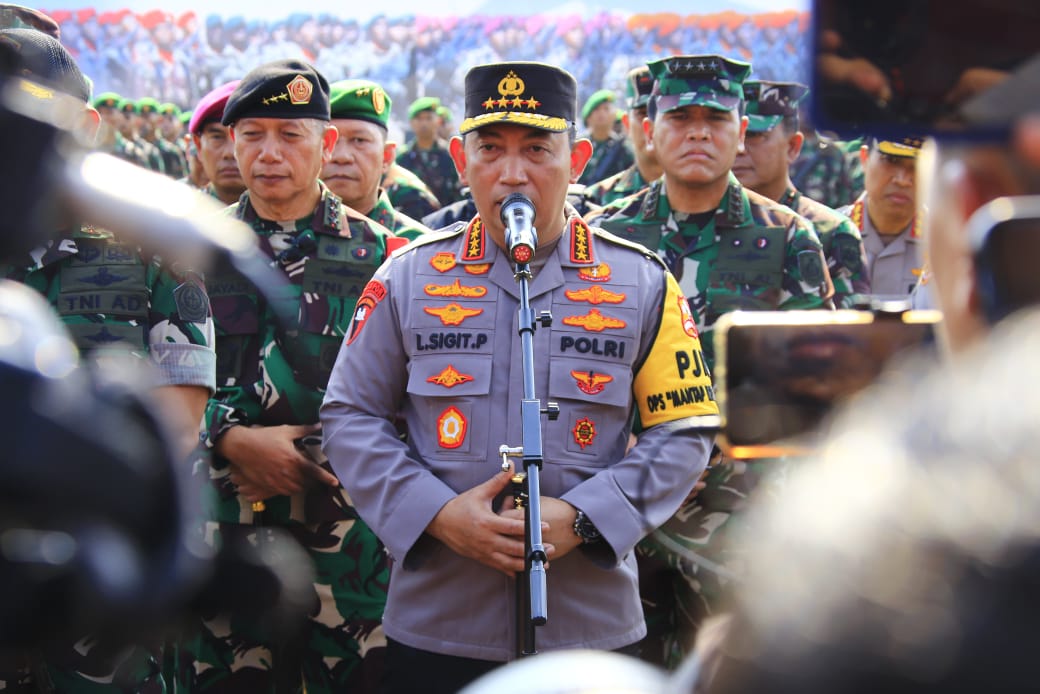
point(584, 529)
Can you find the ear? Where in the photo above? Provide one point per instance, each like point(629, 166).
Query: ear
point(743, 131)
point(580, 155)
point(864, 152)
point(624, 120)
point(328, 142)
point(389, 154)
point(90, 123)
point(458, 155)
point(794, 146)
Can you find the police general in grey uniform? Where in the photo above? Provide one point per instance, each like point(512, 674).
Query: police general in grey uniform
point(434, 349)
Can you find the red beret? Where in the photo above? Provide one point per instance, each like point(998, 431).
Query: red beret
point(210, 107)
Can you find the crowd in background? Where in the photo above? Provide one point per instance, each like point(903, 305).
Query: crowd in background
point(179, 58)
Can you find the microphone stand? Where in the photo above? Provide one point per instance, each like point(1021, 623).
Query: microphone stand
point(531, 600)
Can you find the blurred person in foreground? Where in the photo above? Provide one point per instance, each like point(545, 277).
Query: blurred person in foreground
point(906, 558)
point(119, 305)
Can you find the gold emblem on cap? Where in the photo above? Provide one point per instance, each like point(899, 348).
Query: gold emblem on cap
point(510, 88)
point(378, 101)
point(300, 90)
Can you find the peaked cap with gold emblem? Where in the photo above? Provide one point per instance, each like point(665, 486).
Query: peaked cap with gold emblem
point(279, 89)
point(909, 147)
point(522, 93)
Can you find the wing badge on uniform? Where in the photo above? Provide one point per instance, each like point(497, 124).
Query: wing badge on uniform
point(453, 313)
point(595, 295)
point(594, 321)
point(449, 377)
point(456, 288)
point(590, 382)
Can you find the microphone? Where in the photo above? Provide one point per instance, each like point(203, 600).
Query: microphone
point(521, 236)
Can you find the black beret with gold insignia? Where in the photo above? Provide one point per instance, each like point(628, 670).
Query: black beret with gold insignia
point(279, 89)
point(522, 93)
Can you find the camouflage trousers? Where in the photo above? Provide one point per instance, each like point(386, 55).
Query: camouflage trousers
point(342, 647)
point(83, 667)
point(689, 565)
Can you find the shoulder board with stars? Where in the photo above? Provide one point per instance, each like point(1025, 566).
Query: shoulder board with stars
point(432, 237)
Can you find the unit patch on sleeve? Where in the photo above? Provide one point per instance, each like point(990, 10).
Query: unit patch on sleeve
point(373, 293)
point(451, 428)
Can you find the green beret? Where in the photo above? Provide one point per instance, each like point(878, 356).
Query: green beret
point(638, 86)
point(106, 100)
point(279, 89)
point(184, 117)
point(359, 100)
point(423, 103)
point(147, 105)
point(532, 94)
point(445, 113)
point(126, 106)
point(768, 103)
point(169, 108)
point(698, 80)
point(600, 97)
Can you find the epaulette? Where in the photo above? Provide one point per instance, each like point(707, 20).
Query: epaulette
point(432, 237)
point(632, 245)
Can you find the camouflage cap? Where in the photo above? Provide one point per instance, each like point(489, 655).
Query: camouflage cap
point(360, 100)
point(279, 89)
point(597, 99)
point(107, 100)
point(909, 146)
point(768, 103)
point(698, 80)
point(147, 105)
point(522, 93)
point(638, 86)
point(423, 103)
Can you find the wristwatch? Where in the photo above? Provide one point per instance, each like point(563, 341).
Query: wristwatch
point(584, 529)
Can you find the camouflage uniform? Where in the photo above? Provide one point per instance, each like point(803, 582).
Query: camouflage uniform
point(842, 247)
point(271, 376)
point(175, 165)
point(435, 168)
point(823, 172)
point(126, 150)
point(397, 222)
point(114, 301)
point(408, 194)
point(618, 186)
point(752, 254)
point(609, 157)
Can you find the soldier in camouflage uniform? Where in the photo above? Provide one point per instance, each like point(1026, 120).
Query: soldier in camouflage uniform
point(824, 173)
point(216, 151)
point(610, 152)
point(116, 302)
point(131, 130)
point(773, 140)
point(408, 194)
point(110, 138)
point(730, 249)
point(426, 156)
point(360, 112)
point(262, 426)
point(174, 164)
point(645, 169)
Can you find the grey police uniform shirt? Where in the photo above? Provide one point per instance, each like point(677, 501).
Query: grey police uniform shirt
point(435, 346)
point(895, 268)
